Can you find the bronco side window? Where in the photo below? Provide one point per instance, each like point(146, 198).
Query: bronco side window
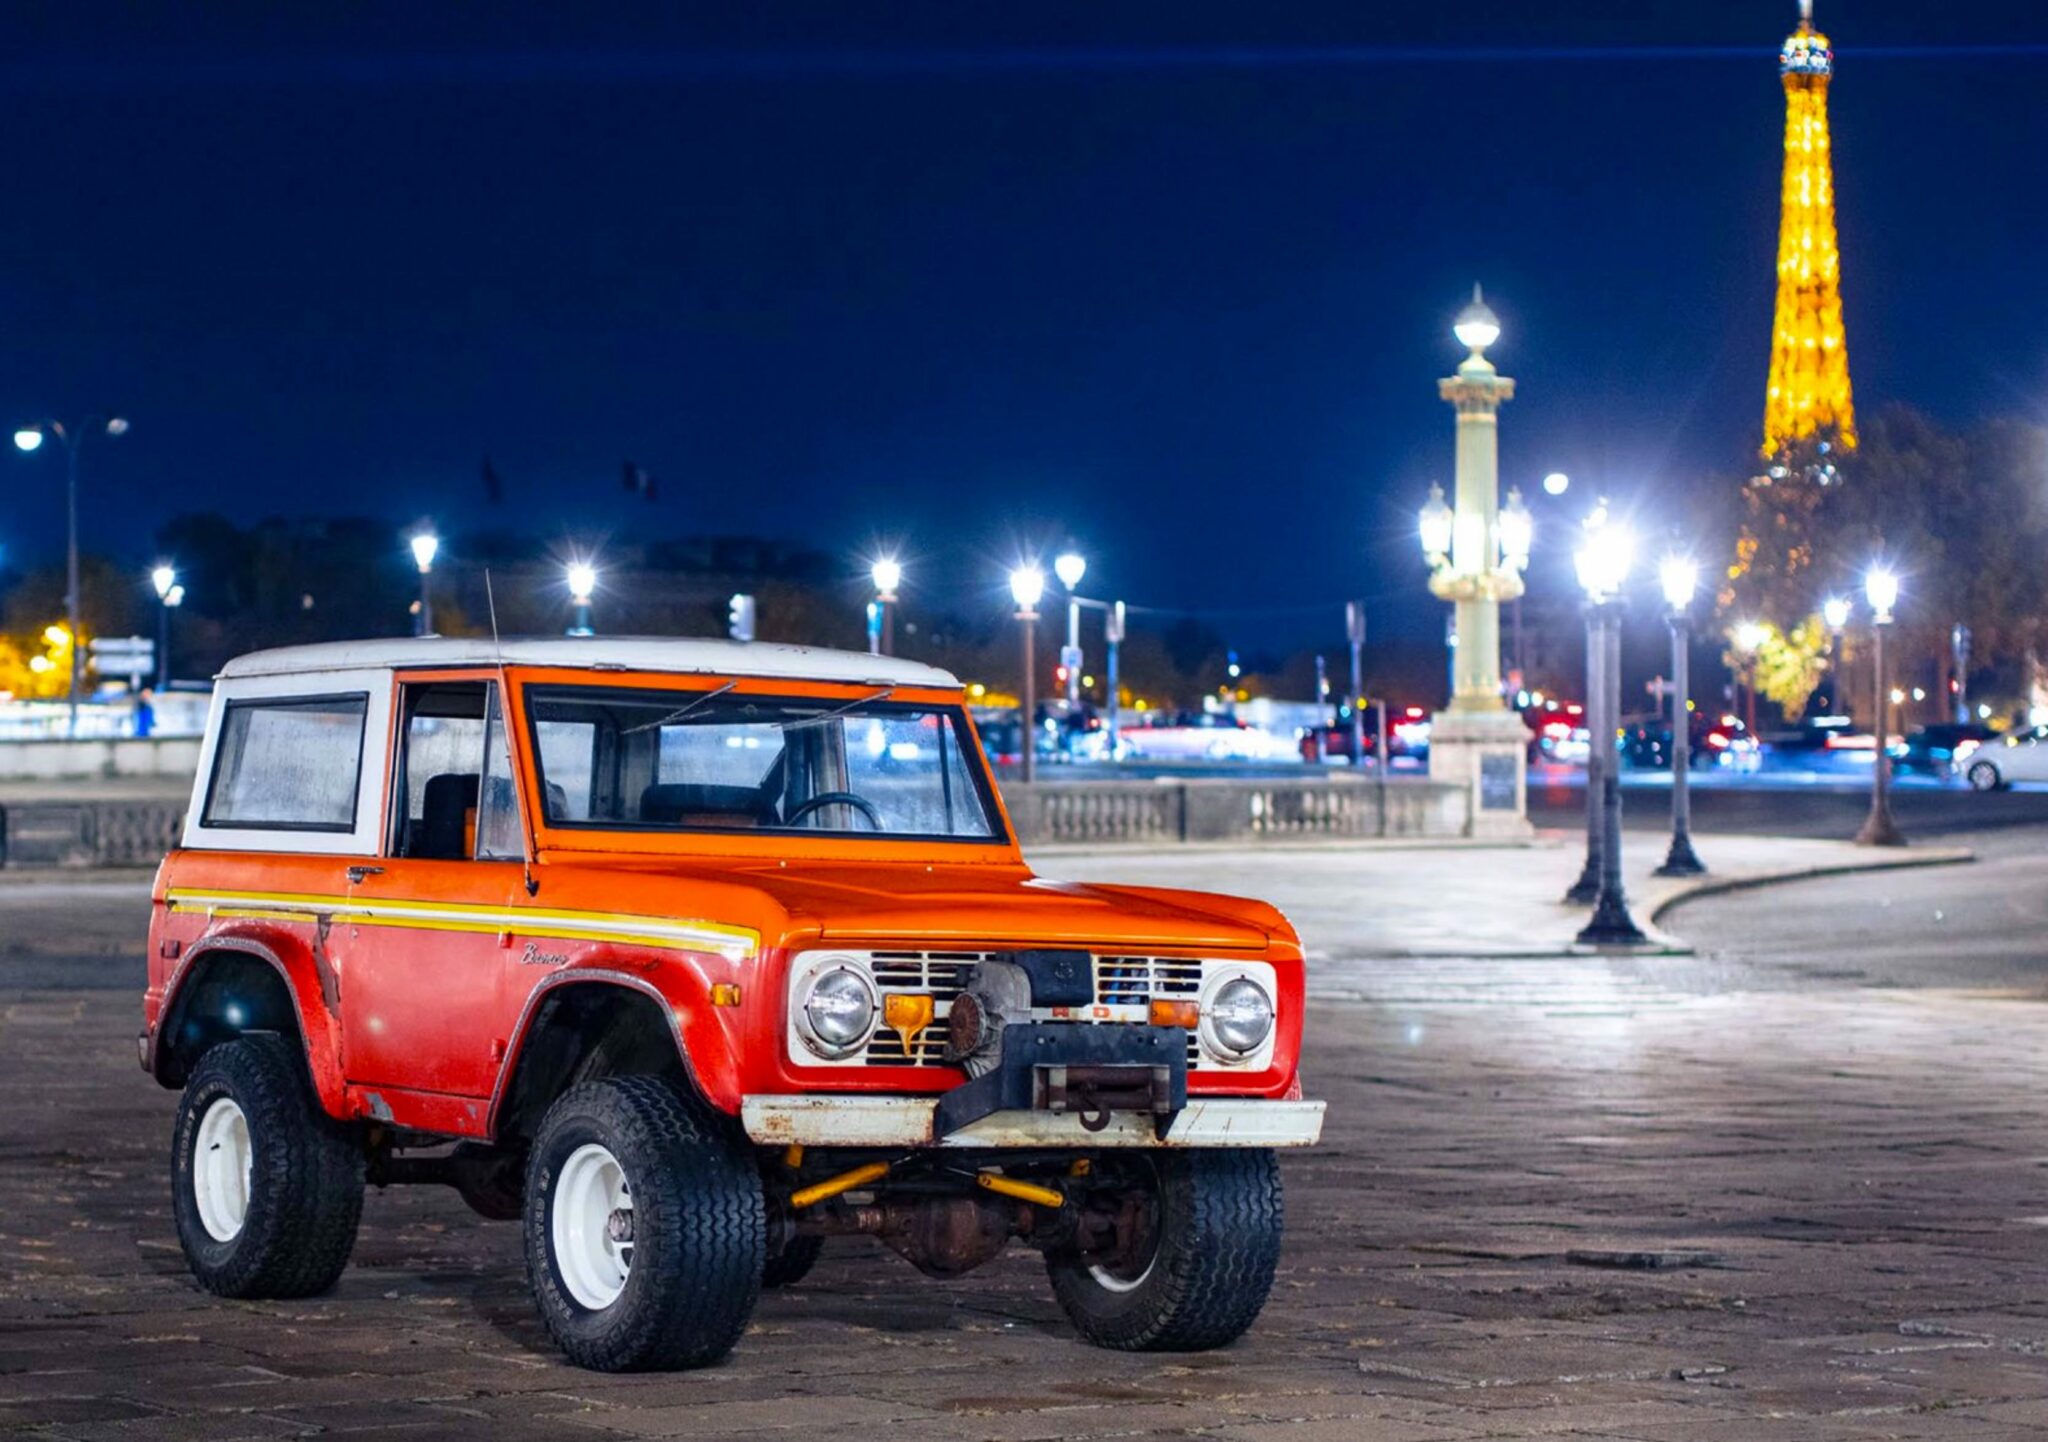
point(452, 788)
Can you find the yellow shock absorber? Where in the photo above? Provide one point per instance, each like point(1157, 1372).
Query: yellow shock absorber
point(833, 1186)
point(1023, 1191)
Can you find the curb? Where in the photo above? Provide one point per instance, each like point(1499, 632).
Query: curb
point(1711, 885)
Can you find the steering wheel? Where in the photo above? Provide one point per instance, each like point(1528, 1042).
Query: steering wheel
point(836, 798)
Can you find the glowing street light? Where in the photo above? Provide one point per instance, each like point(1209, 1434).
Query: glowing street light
point(1603, 561)
point(1834, 613)
point(1434, 524)
point(1881, 589)
point(425, 545)
point(887, 574)
point(1027, 588)
point(1556, 483)
point(28, 438)
point(1680, 578)
point(582, 579)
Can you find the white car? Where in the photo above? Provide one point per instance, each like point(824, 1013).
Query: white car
point(2022, 756)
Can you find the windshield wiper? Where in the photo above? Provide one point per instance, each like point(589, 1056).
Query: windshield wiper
point(680, 712)
point(837, 711)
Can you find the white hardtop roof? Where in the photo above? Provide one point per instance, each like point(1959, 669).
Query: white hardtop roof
point(595, 653)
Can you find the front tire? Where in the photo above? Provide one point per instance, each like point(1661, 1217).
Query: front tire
point(645, 1230)
point(266, 1188)
point(1983, 776)
point(1198, 1267)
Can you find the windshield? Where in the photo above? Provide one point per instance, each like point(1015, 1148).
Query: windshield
point(716, 761)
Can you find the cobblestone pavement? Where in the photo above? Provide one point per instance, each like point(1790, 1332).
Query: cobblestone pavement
point(1559, 1198)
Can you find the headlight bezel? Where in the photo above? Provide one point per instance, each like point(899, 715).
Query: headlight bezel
point(817, 971)
point(1210, 1034)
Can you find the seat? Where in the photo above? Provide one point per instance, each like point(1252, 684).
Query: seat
point(447, 804)
point(683, 803)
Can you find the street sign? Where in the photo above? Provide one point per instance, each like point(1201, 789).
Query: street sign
point(121, 648)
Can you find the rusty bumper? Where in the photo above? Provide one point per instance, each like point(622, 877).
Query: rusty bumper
point(884, 1121)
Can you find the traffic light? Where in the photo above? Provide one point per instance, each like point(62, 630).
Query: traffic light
point(739, 620)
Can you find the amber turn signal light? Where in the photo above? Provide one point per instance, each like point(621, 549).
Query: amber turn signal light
point(911, 1014)
point(1186, 1015)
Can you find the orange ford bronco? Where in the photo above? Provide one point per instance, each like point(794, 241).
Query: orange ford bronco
point(688, 955)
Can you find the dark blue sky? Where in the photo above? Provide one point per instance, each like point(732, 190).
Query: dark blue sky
point(1174, 278)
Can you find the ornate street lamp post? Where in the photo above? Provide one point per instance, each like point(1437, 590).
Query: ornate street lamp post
point(1603, 564)
point(887, 574)
point(1070, 566)
point(72, 438)
point(1834, 613)
point(1680, 578)
point(1027, 586)
point(169, 594)
point(425, 546)
point(1477, 552)
point(1881, 589)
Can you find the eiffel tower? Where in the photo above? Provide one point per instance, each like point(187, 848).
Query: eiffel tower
point(1807, 406)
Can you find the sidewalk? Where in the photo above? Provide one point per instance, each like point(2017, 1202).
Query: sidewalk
point(1381, 899)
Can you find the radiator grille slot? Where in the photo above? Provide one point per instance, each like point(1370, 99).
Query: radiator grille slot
point(943, 975)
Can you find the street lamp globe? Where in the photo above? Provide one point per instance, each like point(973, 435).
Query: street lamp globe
point(1881, 589)
point(117, 426)
point(1748, 636)
point(1476, 327)
point(1835, 612)
point(425, 546)
point(1027, 586)
point(175, 596)
point(1070, 567)
point(1680, 578)
point(28, 438)
point(163, 577)
point(1556, 483)
point(1436, 520)
point(887, 574)
point(582, 578)
point(1604, 559)
point(1517, 532)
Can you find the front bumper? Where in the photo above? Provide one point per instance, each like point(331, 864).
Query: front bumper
point(895, 1121)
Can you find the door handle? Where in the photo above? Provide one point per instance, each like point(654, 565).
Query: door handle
point(357, 873)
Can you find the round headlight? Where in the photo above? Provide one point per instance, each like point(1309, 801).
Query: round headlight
point(839, 1011)
point(1241, 1016)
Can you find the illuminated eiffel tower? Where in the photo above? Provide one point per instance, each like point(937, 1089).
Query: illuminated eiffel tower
point(1807, 405)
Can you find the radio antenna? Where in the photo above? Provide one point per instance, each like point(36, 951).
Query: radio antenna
point(504, 722)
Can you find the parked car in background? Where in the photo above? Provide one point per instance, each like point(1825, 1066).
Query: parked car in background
point(1715, 741)
point(1205, 736)
point(1407, 737)
point(1942, 748)
point(1997, 763)
point(1558, 732)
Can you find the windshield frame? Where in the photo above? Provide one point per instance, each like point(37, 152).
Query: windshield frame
point(684, 688)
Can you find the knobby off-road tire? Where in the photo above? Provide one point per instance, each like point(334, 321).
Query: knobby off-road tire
point(249, 1112)
point(688, 1260)
point(793, 1262)
point(1215, 1247)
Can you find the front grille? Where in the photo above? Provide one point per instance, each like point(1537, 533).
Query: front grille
point(1119, 981)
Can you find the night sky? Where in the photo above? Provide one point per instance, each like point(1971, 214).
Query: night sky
point(1174, 279)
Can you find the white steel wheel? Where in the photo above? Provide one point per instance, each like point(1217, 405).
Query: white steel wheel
point(221, 1157)
point(592, 1226)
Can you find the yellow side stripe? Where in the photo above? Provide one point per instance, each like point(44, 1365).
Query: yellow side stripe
point(732, 941)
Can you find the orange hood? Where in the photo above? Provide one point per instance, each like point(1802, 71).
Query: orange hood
point(1003, 905)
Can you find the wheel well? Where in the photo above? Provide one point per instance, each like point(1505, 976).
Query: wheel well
point(581, 1032)
point(228, 993)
